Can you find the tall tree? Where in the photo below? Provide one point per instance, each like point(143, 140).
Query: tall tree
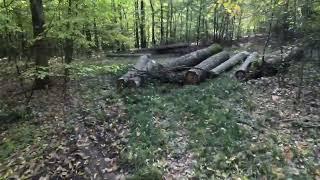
point(136, 23)
point(40, 46)
point(161, 23)
point(68, 49)
point(153, 23)
point(143, 25)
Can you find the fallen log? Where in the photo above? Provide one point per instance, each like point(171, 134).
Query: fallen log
point(201, 71)
point(275, 64)
point(241, 73)
point(234, 60)
point(133, 78)
point(192, 59)
point(170, 71)
point(125, 55)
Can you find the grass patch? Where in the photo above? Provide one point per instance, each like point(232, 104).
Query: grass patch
point(18, 137)
point(214, 113)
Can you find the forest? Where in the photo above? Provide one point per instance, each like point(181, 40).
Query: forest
point(159, 89)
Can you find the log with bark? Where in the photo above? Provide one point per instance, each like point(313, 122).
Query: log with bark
point(234, 60)
point(126, 55)
point(134, 77)
point(201, 71)
point(241, 73)
point(275, 64)
point(170, 71)
point(192, 59)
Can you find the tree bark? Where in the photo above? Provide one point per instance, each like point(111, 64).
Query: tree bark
point(153, 23)
point(194, 58)
point(241, 73)
point(68, 49)
point(133, 78)
point(201, 71)
point(136, 24)
point(275, 64)
point(171, 71)
point(161, 23)
point(142, 25)
point(229, 63)
point(40, 46)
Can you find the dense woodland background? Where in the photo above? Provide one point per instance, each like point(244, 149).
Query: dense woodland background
point(62, 115)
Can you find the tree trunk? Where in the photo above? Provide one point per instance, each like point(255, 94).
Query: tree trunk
point(133, 78)
point(40, 46)
point(271, 66)
point(161, 23)
point(171, 71)
point(136, 24)
point(199, 23)
point(229, 63)
point(241, 73)
point(187, 25)
point(68, 49)
point(153, 23)
point(201, 71)
point(142, 25)
point(194, 58)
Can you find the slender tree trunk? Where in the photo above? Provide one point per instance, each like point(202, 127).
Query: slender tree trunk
point(199, 22)
point(272, 2)
point(136, 23)
point(153, 23)
point(161, 23)
point(239, 26)
point(215, 23)
point(143, 25)
point(40, 46)
point(167, 25)
point(187, 24)
point(68, 50)
point(171, 19)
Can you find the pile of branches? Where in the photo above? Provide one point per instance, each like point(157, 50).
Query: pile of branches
point(197, 66)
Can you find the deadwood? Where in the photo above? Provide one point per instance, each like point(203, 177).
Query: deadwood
point(241, 73)
point(275, 64)
point(200, 72)
point(133, 78)
point(194, 58)
point(171, 71)
point(234, 60)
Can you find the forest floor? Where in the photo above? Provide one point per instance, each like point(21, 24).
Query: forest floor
point(220, 129)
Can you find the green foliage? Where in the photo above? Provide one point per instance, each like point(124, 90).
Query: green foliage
point(18, 137)
point(85, 70)
point(220, 132)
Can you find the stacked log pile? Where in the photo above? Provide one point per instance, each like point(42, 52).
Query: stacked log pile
point(197, 66)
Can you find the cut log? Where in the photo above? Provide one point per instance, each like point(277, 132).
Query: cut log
point(133, 78)
point(241, 73)
point(234, 60)
point(125, 55)
point(201, 71)
point(170, 71)
point(194, 58)
point(275, 64)
point(293, 55)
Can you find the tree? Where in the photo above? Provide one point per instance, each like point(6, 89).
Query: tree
point(39, 46)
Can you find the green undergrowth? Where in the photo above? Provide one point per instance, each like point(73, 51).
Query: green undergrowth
point(227, 142)
point(17, 132)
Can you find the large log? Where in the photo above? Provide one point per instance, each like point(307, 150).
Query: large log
point(201, 71)
point(170, 71)
point(275, 64)
point(234, 60)
point(125, 55)
point(192, 59)
point(241, 73)
point(133, 78)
